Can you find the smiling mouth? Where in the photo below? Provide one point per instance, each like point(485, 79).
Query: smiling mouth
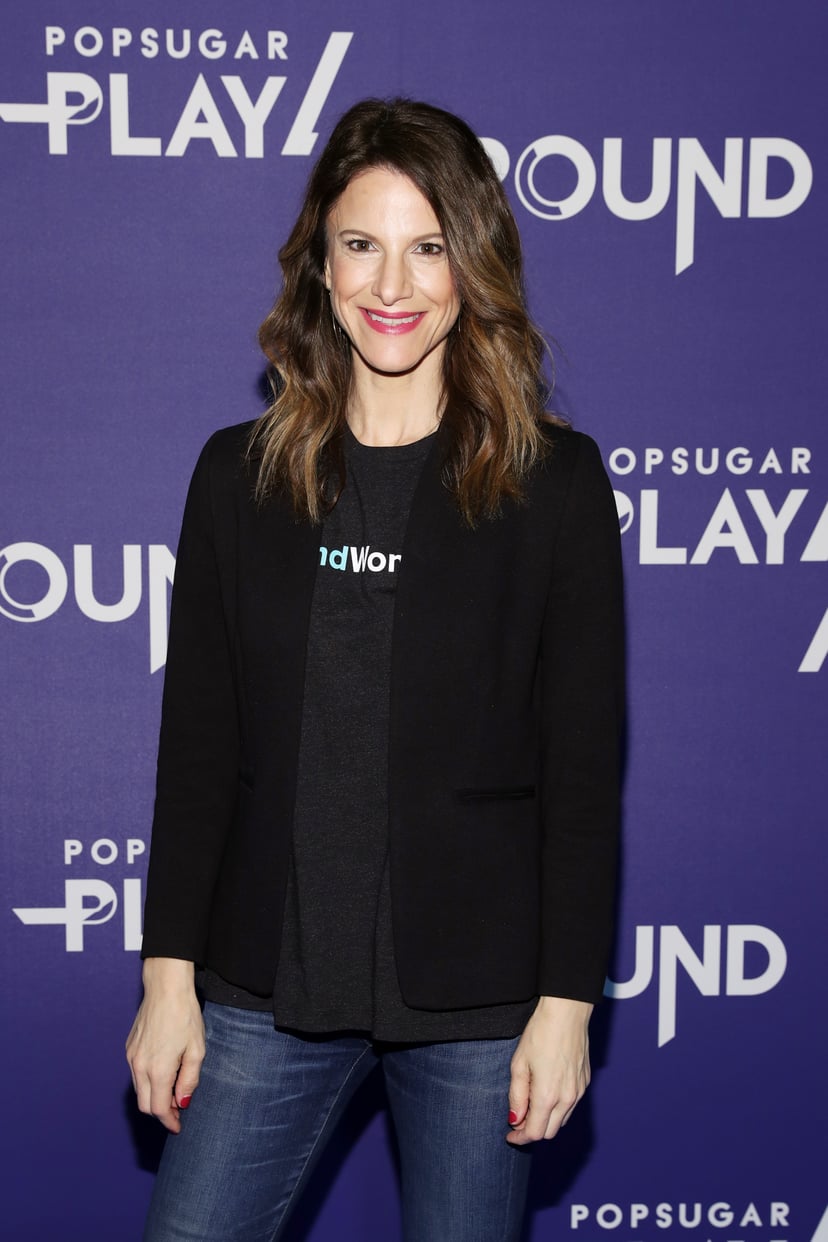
point(391, 323)
point(393, 320)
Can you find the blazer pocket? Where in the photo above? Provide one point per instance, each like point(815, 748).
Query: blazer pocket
point(496, 793)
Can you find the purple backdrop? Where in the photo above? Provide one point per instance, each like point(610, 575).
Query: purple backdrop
point(665, 163)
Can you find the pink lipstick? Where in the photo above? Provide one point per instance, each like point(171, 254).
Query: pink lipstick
point(391, 323)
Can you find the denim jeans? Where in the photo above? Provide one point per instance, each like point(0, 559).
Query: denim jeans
point(268, 1101)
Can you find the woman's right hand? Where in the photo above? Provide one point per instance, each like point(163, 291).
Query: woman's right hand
point(165, 1047)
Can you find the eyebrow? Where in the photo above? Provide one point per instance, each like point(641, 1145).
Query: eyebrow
point(371, 237)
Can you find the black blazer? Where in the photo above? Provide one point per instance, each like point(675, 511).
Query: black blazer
point(506, 704)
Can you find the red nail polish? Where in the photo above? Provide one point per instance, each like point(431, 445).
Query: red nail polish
point(184, 1102)
point(512, 1117)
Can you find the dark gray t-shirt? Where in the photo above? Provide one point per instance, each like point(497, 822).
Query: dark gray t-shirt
point(336, 970)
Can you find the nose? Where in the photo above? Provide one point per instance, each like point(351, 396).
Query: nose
point(392, 281)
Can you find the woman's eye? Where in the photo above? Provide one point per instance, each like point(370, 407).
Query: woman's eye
point(359, 245)
point(430, 248)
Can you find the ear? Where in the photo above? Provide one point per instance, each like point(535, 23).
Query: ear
point(326, 272)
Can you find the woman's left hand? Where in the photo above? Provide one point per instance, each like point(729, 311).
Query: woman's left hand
point(550, 1069)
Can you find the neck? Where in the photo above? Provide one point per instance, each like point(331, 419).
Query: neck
point(386, 410)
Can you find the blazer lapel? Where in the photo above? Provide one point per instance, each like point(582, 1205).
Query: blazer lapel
point(275, 589)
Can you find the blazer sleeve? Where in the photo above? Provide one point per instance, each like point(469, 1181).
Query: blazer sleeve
point(582, 687)
point(198, 754)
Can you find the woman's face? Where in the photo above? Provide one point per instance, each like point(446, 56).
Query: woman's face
point(389, 278)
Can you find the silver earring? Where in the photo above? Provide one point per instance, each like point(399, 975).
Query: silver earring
point(338, 329)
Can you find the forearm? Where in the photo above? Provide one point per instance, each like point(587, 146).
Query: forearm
point(167, 975)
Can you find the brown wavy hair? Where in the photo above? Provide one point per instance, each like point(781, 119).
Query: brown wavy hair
point(494, 392)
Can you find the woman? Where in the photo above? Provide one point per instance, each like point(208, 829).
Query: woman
point(388, 771)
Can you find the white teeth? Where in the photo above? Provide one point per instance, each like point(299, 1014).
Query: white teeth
point(392, 322)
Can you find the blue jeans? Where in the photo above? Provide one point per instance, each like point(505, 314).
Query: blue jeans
point(268, 1101)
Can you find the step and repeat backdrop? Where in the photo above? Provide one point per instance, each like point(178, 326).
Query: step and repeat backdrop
point(666, 164)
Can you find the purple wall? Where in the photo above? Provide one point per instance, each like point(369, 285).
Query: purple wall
point(144, 200)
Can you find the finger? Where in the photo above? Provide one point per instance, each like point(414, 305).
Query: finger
point(533, 1124)
point(153, 1103)
point(162, 1102)
point(186, 1083)
point(538, 1120)
point(129, 1051)
point(569, 1112)
point(169, 1117)
point(556, 1120)
point(560, 1115)
point(581, 1092)
point(143, 1090)
point(518, 1094)
point(547, 1111)
point(170, 1120)
point(189, 1070)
